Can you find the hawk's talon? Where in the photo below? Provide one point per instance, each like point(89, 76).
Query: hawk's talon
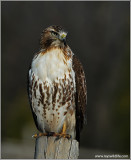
point(35, 136)
point(69, 136)
point(63, 135)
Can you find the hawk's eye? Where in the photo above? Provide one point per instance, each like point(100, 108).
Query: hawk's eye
point(54, 33)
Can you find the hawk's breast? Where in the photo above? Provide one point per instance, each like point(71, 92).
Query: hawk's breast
point(52, 82)
point(50, 65)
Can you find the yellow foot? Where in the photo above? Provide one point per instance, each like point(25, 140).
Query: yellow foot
point(39, 135)
point(60, 135)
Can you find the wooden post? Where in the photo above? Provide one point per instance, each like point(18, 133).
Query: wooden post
point(51, 148)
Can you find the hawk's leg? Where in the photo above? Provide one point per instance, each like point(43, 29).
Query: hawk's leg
point(63, 133)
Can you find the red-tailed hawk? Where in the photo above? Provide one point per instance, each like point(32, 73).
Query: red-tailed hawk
point(57, 87)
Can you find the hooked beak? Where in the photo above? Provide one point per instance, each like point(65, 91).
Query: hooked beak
point(63, 36)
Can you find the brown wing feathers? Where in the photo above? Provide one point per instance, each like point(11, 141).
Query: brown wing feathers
point(81, 96)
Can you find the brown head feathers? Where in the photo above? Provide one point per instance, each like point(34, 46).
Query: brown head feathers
point(53, 36)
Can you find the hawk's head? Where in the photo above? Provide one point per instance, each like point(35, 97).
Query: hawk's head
point(53, 36)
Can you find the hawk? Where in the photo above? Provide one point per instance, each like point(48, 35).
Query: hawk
point(57, 87)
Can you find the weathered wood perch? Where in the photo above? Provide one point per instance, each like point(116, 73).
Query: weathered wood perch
point(50, 148)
